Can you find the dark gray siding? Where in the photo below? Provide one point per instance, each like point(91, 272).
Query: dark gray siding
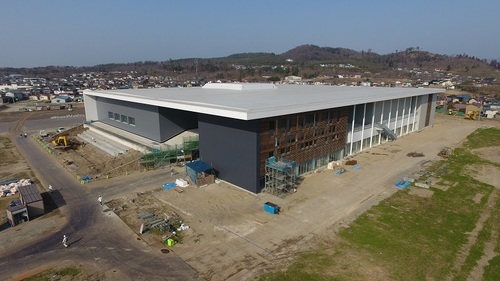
point(231, 147)
point(173, 122)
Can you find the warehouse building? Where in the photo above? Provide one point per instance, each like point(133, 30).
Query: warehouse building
point(254, 133)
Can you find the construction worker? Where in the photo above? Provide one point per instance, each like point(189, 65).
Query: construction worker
point(25, 135)
point(51, 188)
point(65, 241)
point(100, 199)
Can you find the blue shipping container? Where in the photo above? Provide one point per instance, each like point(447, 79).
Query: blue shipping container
point(271, 208)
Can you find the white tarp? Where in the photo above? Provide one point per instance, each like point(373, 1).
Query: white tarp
point(181, 183)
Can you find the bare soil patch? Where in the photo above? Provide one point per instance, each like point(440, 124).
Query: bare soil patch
point(485, 173)
point(489, 153)
point(85, 160)
point(420, 192)
point(144, 209)
point(11, 162)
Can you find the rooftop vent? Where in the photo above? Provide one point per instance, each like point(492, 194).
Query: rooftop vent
point(240, 86)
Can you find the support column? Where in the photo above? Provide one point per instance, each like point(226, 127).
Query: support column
point(415, 115)
point(363, 128)
point(409, 114)
point(403, 118)
point(396, 121)
point(352, 128)
point(381, 121)
point(373, 122)
point(389, 120)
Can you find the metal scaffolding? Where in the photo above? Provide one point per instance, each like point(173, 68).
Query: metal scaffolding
point(280, 176)
point(171, 153)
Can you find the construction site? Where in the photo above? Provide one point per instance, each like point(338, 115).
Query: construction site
point(221, 217)
point(96, 151)
point(212, 220)
point(280, 176)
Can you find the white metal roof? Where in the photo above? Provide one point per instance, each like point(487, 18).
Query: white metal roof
point(258, 100)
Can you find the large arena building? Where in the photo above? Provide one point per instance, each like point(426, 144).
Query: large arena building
point(258, 135)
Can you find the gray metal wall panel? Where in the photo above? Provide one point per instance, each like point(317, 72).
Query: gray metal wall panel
point(173, 122)
point(433, 112)
point(232, 147)
point(90, 108)
point(147, 123)
point(422, 111)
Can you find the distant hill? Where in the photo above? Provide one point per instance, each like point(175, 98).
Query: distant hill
point(304, 60)
point(307, 53)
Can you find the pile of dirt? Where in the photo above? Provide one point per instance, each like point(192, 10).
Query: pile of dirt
point(415, 154)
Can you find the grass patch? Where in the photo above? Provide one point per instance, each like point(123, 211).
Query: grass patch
point(408, 232)
point(66, 273)
point(24, 175)
point(492, 270)
point(485, 137)
point(6, 153)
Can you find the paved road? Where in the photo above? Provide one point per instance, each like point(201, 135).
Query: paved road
point(98, 239)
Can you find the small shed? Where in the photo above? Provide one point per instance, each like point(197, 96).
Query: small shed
point(60, 99)
point(17, 214)
point(31, 198)
point(463, 97)
point(200, 173)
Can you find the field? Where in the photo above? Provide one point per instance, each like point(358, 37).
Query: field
point(451, 235)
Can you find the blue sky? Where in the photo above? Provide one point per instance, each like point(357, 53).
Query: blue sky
point(90, 32)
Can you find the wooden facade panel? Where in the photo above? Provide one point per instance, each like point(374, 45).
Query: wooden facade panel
point(303, 137)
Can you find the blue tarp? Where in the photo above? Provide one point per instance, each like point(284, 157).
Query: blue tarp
point(402, 184)
point(280, 164)
point(196, 167)
point(169, 185)
point(199, 166)
point(463, 96)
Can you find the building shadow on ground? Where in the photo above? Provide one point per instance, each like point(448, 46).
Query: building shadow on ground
point(52, 200)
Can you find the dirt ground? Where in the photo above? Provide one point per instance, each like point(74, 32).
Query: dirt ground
point(230, 237)
point(86, 160)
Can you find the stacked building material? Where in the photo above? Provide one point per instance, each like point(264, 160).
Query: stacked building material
point(9, 187)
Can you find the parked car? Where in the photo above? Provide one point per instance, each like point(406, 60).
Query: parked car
point(60, 129)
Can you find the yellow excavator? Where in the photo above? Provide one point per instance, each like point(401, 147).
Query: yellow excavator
point(471, 115)
point(60, 142)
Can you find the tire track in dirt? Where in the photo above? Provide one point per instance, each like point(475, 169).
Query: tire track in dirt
point(464, 252)
point(489, 249)
point(20, 122)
